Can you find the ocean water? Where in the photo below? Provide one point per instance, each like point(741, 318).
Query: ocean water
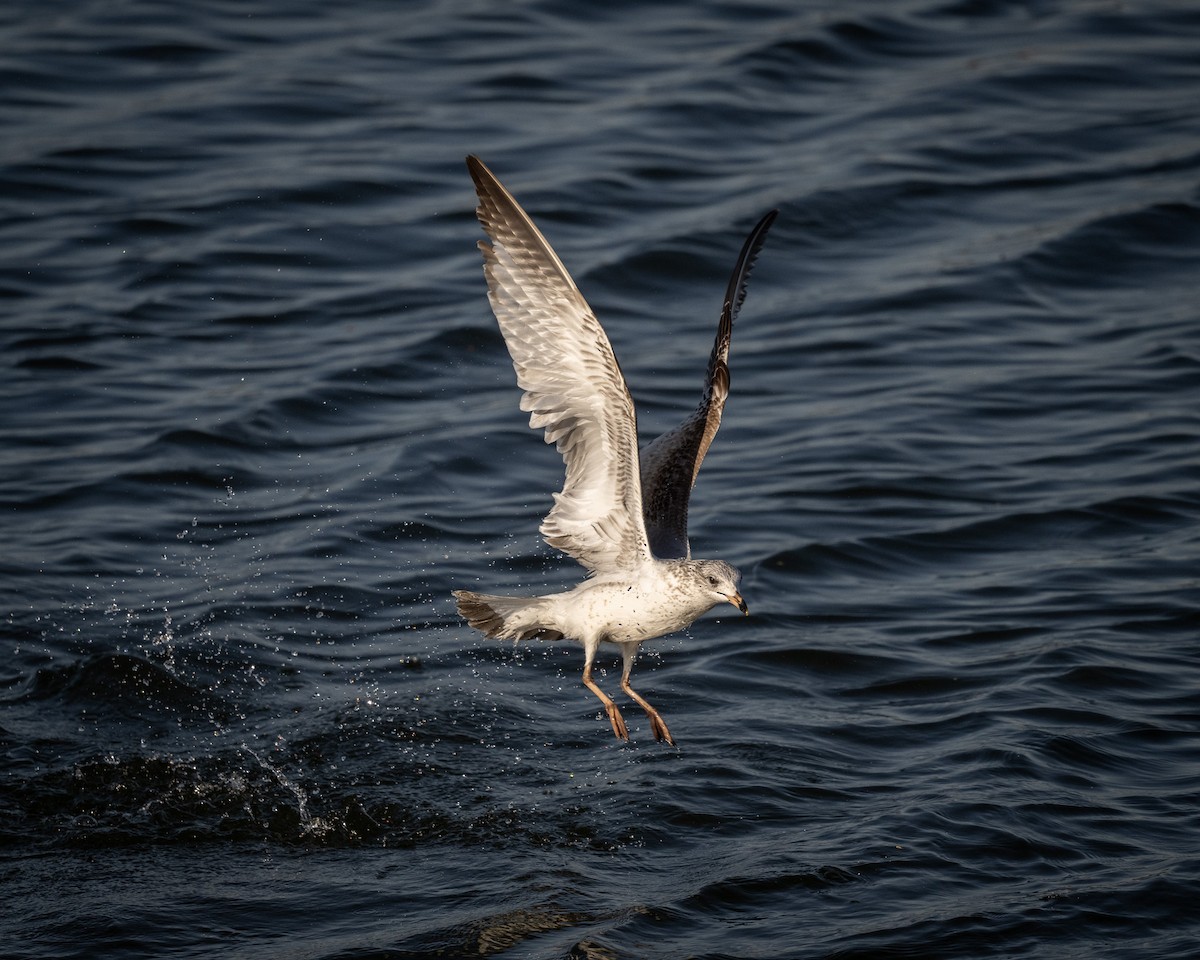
point(257, 422)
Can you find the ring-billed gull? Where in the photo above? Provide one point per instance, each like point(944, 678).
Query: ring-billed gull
point(626, 524)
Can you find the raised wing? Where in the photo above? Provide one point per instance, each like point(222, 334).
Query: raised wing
point(574, 389)
point(670, 464)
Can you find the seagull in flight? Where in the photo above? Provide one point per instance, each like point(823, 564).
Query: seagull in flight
point(622, 514)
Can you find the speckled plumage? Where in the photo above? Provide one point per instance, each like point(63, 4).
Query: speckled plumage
point(627, 524)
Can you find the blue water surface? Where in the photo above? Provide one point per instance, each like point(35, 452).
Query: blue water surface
point(257, 421)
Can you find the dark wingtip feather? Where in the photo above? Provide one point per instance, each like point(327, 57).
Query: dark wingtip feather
point(735, 293)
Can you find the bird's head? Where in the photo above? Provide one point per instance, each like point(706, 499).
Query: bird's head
point(721, 580)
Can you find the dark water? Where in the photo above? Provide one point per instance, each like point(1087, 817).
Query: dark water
point(257, 422)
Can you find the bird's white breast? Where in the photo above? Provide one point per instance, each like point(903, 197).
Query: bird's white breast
point(649, 606)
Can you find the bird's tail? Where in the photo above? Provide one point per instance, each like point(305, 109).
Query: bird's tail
point(504, 618)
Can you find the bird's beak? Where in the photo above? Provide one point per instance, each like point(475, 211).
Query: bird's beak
point(738, 602)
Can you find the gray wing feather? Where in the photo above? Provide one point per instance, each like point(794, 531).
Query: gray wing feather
point(573, 386)
point(671, 463)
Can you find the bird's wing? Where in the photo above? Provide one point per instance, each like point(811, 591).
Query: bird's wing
point(574, 389)
point(670, 463)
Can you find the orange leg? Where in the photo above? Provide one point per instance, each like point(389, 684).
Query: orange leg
point(628, 652)
point(614, 715)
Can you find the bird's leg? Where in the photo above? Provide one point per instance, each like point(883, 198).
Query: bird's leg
point(614, 715)
point(628, 653)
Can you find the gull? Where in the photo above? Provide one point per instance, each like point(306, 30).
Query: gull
point(621, 514)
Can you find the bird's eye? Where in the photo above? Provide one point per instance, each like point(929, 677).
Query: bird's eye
point(712, 581)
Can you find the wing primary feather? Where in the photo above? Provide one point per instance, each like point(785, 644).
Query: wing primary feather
point(573, 387)
point(671, 463)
